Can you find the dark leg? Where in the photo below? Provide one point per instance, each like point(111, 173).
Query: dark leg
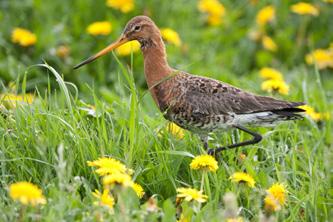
point(256, 139)
point(205, 144)
point(204, 140)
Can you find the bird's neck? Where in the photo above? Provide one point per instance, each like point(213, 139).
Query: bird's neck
point(155, 61)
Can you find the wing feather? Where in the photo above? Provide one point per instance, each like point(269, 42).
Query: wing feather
point(208, 96)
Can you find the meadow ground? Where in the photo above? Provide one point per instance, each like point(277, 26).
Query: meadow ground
point(53, 119)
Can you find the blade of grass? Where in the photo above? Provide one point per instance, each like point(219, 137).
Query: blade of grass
point(61, 83)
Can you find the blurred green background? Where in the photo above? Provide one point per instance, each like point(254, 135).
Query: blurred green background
point(224, 52)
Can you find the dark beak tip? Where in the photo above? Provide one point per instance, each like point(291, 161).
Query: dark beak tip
point(78, 65)
point(90, 59)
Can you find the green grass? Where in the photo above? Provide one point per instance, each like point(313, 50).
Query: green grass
point(50, 141)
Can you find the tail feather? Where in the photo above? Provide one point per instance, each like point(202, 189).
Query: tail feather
point(272, 117)
point(291, 113)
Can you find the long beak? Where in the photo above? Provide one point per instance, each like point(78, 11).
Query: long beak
point(122, 40)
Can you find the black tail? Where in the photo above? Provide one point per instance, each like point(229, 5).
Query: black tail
point(291, 113)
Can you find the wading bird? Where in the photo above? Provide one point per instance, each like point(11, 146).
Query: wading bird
point(196, 103)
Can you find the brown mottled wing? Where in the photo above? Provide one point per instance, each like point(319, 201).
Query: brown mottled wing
point(208, 96)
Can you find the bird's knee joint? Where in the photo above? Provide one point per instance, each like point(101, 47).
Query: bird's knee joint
point(257, 138)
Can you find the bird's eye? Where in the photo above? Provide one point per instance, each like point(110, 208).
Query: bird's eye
point(137, 28)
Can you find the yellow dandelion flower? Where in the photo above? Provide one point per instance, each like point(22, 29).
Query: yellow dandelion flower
point(26, 98)
point(316, 116)
point(214, 20)
point(269, 44)
point(63, 51)
point(328, 1)
point(10, 100)
point(322, 57)
point(171, 36)
point(271, 204)
point(138, 190)
point(124, 6)
point(237, 219)
point(265, 15)
point(100, 28)
point(27, 193)
point(240, 177)
point(204, 162)
point(189, 194)
point(278, 191)
point(128, 48)
point(107, 166)
point(275, 86)
point(214, 9)
point(118, 178)
point(270, 73)
point(23, 37)
point(303, 8)
point(310, 111)
point(104, 199)
point(175, 130)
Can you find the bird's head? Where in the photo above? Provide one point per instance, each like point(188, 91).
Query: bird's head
point(140, 28)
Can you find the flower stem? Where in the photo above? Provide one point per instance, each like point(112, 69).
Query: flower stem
point(202, 186)
point(207, 185)
point(202, 181)
point(21, 215)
